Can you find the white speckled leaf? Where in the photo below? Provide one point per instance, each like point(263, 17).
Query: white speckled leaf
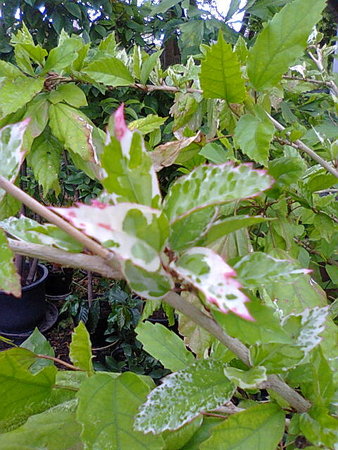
point(191, 203)
point(11, 151)
point(214, 185)
point(259, 269)
point(183, 395)
point(246, 379)
point(209, 273)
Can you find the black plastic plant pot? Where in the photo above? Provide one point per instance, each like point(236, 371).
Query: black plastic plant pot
point(58, 283)
point(20, 315)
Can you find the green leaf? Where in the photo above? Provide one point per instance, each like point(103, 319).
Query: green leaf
point(109, 71)
point(259, 269)
point(55, 429)
point(225, 226)
point(177, 439)
point(203, 433)
point(38, 344)
point(287, 170)
point(164, 345)
point(190, 201)
point(282, 42)
point(148, 65)
point(11, 151)
point(113, 403)
point(215, 153)
point(80, 349)
point(29, 230)
point(9, 279)
point(260, 427)
point(37, 113)
point(254, 134)
point(21, 390)
point(70, 93)
point(163, 6)
point(319, 428)
point(17, 92)
point(315, 379)
point(246, 379)
point(73, 129)
point(266, 326)
point(208, 272)
point(130, 174)
point(10, 71)
point(150, 285)
point(220, 73)
point(63, 55)
point(147, 124)
point(45, 160)
point(183, 395)
point(9, 206)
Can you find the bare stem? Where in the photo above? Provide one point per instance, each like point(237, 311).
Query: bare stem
point(91, 263)
point(46, 213)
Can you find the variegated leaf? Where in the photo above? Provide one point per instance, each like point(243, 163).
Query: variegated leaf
point(29, 230)
point(259, 269)
point(130, 174)
point(209, 273)
point(133, 232)
point(202, 386)
point(11, 150)
point(192, 200)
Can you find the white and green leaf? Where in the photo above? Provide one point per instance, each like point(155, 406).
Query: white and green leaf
point(28, 230)
point(183, 395)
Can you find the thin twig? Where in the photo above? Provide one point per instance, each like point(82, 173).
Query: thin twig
point(301, 146)
point(307, 80)
point(59, 361)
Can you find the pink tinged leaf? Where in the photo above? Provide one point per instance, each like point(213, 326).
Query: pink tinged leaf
point(119, 122)
point(105, 222)
point(218, 285)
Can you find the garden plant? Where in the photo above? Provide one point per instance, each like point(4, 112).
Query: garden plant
point(223, 207)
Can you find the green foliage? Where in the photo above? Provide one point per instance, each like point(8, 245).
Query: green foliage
point(281, 42)
point(259, 427)
point(220, 73)
point(164, 345)
point(113, 400)
point(80, 349)
point(250, 255)
point(10, 281)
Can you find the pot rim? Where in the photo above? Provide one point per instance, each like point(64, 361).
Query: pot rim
point(39, 280)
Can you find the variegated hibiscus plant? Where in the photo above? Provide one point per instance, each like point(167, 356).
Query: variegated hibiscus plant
point(168, 250)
